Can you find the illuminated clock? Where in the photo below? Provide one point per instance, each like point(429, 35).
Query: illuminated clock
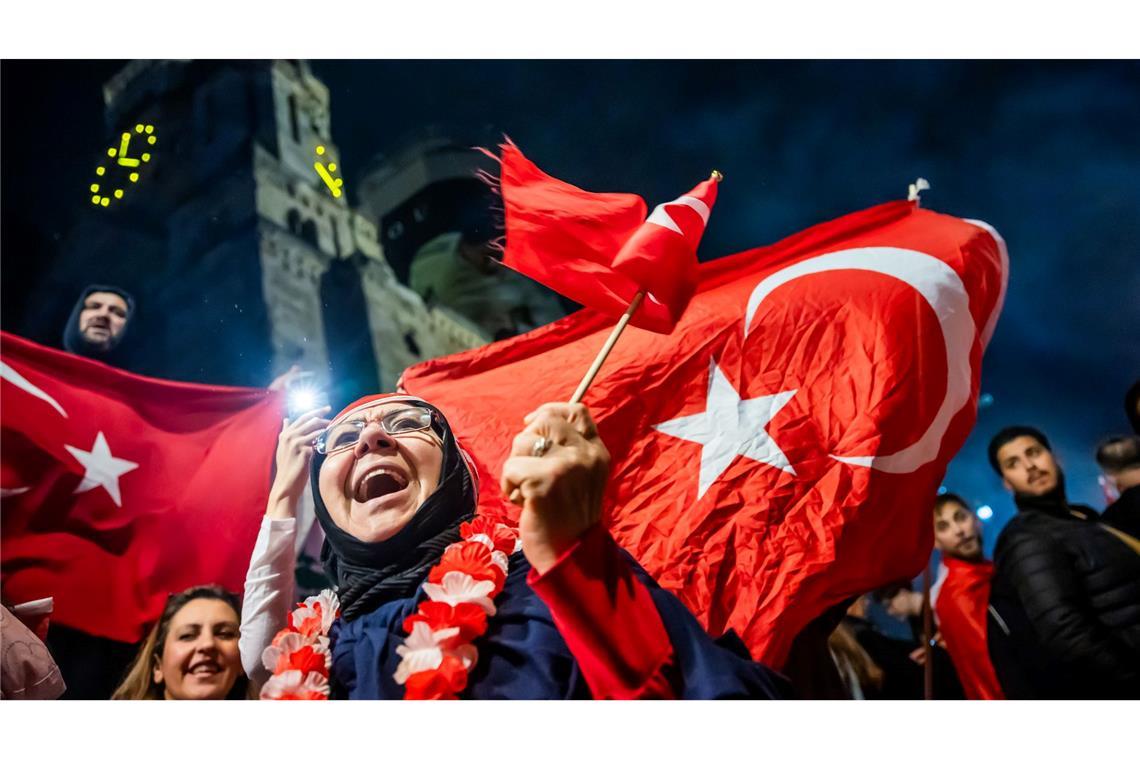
point(125, 165)
point(324, 171)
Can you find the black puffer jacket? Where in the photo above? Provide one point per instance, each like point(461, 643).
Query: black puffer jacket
point(1064, 616)
point(1124, 513)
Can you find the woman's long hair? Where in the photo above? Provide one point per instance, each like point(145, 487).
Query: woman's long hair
point(139, 681)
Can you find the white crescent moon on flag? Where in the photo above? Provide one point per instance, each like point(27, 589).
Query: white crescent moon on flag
point(661, 217)
point(939, 286)
point(24, 384)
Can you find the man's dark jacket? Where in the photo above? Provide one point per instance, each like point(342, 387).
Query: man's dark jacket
point(1064, 616)
point(1124, 513)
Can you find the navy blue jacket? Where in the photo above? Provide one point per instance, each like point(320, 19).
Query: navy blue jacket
point(522, 655)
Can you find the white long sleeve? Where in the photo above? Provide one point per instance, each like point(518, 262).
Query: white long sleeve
point(268, 593)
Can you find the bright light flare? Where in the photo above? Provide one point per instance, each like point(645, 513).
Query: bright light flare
point(302, 399)
point(985, 512)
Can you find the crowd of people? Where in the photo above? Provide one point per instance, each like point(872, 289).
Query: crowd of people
point(552, 608)
point(1054, 615)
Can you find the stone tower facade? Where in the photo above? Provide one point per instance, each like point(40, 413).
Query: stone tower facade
point(252, 264)
point(306, 233)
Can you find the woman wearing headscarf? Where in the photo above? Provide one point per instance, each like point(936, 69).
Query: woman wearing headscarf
point(437, 602)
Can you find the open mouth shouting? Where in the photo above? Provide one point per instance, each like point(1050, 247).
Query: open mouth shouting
point(379, 485)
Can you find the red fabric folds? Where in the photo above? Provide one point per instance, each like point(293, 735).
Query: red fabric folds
point(608, 620)
point(776, 454)
point(120, 489)
point(598, 248)
point(962, 608)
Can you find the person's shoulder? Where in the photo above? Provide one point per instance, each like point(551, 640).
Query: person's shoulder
point(1040, 521)
point(1129, 497)
point(1083, 510)
point(1025, 531)
point(1020, 523)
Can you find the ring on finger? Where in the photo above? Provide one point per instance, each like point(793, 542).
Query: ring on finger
point(541, 446)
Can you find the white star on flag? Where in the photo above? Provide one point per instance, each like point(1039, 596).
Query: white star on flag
point(102, 469)
point(729, 426)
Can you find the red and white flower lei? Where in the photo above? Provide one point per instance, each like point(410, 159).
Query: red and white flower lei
point(438, 654)
point(299, 657)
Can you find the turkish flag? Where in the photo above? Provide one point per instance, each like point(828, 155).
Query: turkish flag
point(599, 249)
point(962, 607)
point(778, 452)
point(120, 489)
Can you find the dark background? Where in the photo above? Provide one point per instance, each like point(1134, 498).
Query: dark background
point(1047, 152)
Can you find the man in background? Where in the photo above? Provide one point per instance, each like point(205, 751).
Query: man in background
point(1119, 460)
point(963, 597)
point(1065, 599)
point(98, 323)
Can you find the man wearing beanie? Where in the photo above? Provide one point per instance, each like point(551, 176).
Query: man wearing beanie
point(1065, 602)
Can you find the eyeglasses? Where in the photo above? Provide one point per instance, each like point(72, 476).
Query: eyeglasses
point(345, 435)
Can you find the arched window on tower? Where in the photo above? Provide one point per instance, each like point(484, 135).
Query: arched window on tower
point(294, 124)
point(410, 342)
point(293, 221)
point(309, 232)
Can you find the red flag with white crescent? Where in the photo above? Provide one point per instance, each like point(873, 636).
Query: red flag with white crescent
point(119, 490)
point(777, 453)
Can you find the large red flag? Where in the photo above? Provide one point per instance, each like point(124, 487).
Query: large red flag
point(777, 453)
point(599, 248)
point(119, 489)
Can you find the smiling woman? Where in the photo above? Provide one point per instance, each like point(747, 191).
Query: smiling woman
point(192, 652)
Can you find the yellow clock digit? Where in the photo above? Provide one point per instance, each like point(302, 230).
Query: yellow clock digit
point(122, 164)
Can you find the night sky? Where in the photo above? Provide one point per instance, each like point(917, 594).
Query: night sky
point(1047, 152)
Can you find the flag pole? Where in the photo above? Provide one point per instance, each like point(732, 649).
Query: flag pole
point(600, 359)
point(616, 332)
point(927, 637)
point(607, 347)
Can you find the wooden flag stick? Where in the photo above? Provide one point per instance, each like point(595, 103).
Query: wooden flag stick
point(598, 361)
point(606, 348)
point(609, 344)
point(927, 637)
